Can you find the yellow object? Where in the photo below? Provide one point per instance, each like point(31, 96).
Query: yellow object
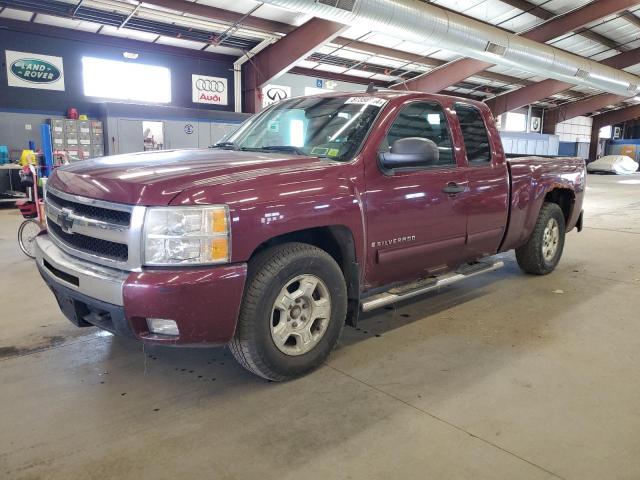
point(219, 221)
point(28, 157)
point(83, 117)
point(629, 151)
point(219, 249)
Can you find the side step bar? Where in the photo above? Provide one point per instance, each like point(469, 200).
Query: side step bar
point(398, 294)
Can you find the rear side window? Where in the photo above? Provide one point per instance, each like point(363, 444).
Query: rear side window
point(474, 132)
point(423, 120)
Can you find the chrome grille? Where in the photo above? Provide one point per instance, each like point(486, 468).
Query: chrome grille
point(102, 232)
point(94, 246)
point(114, 216)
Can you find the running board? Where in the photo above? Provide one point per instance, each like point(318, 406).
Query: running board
point(419, 288)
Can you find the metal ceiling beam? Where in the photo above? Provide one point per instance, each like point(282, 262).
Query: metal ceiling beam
point(108, 40)
point(222, 15)
point(281, 56)
point(531, 8)
point(576, 19)
point(458, 70)
point(219, 14)
point(419, 59)
point(631, 18)
point(77, 7)
point(130, 16)
point(537, 91)
point(341, 77)
point(601, 39)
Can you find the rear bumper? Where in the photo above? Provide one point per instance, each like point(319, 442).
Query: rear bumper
point(204, 302)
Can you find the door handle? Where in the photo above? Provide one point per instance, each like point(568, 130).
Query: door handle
point(453, 188)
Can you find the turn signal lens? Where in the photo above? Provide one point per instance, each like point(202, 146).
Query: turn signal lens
point(218, 221)
point(220, 249)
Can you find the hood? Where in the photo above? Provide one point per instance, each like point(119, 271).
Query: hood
point(155, 178)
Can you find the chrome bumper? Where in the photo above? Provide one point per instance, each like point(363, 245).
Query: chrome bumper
point(95, 281)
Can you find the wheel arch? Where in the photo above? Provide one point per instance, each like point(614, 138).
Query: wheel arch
point(565, 198)
point(338, 241)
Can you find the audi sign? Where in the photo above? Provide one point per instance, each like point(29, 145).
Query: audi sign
point(210, 90)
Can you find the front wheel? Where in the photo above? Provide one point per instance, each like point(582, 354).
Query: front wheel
point(27, 233)
point(542, 252)
point(293, 310)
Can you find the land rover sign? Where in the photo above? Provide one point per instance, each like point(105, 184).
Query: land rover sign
point(31, 70)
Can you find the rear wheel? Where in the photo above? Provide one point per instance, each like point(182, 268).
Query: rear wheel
point(27, 233)
point(293, 311)
point(542, 252)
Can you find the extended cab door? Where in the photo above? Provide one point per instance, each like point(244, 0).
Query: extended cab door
point(487, 200)
point(414, 227)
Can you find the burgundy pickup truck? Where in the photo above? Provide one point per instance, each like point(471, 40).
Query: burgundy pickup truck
point(313, 211)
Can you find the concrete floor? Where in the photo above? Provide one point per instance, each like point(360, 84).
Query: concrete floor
point(507, 376)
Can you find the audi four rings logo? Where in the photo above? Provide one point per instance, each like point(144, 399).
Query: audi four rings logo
point(213, 86)
point(276, 94)
point(209, 90)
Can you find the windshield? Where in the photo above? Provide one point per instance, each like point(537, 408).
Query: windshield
point(318, 126)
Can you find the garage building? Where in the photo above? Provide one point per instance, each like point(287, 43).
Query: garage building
point(250, 177)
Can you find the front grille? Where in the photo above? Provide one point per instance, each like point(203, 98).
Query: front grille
point(98, 213)
point(93, 246)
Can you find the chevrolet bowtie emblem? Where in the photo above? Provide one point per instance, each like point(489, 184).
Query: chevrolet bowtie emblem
point(65, 220)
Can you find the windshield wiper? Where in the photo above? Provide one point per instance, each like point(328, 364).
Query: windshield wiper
point(226, 146)
point(278, 148)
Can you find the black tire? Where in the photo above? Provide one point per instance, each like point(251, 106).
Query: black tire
point(27, 233)
point(269, 272)
point(530, 256)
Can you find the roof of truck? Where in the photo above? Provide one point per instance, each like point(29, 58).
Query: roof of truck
point(389, 94)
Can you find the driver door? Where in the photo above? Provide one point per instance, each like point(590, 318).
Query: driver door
point(414, 228)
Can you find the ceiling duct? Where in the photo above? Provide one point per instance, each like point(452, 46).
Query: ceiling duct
point(426, 24)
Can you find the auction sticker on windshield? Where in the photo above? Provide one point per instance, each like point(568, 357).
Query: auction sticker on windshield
point(376, 102)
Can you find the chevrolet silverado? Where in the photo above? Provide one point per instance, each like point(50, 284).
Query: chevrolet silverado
point(311, 212)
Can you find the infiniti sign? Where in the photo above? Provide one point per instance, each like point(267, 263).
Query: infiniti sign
point(274, 94)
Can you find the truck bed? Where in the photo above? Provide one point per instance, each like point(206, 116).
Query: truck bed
point(530, 177)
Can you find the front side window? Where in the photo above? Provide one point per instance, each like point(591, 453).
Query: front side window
point(474, 133)
point(422, 120)
point(330, 127)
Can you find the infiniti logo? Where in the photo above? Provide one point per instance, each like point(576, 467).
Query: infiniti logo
point(275, 94)
point(65, 220)
point(212, 86)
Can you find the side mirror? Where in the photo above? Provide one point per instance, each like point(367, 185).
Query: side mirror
point(411, 152)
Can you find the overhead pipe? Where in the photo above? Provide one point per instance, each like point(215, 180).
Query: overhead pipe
point(427, 24)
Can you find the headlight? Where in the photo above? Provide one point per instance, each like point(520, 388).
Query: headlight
point(187, 235)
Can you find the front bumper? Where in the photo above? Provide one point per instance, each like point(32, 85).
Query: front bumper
point(204, 302)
